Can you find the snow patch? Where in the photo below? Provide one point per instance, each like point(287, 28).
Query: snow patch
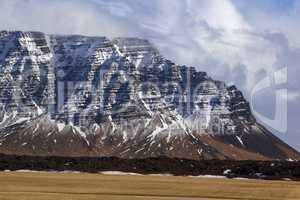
point(36, 128)
point(227, 171)
point(22, 120)
point(5, 118)
point(240, 140)
point(25, 143)
point(209, 176)
point(118, 173)
point(60, 126)
point(291, 160)
point(78, 130)
point(118, 50)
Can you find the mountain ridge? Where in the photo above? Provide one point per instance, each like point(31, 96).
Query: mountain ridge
point(74, 95)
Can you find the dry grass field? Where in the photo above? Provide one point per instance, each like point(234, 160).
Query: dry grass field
point(75, 186)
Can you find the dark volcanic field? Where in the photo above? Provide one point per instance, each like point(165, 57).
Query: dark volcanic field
point(271, 170)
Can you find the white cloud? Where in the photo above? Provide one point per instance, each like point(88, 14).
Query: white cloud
point(66, 17)
point(219, 14)
point(286, 23)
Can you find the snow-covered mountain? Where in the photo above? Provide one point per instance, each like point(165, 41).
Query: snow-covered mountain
point(90, 96)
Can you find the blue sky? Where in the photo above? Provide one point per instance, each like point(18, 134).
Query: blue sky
point(238, 41)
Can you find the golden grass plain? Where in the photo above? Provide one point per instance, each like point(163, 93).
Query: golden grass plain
point(78, 186)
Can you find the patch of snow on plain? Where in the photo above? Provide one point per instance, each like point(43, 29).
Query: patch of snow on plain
point(118, 173)
point(35, 171)
point(209, 176)
point(227, 171)
point(286, 179)
point(24, 171)
point(240, 178)
point(160, 175)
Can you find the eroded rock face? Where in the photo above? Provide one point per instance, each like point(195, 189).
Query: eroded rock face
point(76, 95)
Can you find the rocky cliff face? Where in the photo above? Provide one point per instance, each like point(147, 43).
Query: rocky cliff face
point(91, 96)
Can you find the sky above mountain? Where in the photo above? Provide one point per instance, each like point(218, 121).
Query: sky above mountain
point(240, 42)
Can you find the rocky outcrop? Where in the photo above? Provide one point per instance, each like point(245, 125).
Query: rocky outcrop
point(91, 96)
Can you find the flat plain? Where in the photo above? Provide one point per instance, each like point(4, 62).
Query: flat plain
point(75, 186)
